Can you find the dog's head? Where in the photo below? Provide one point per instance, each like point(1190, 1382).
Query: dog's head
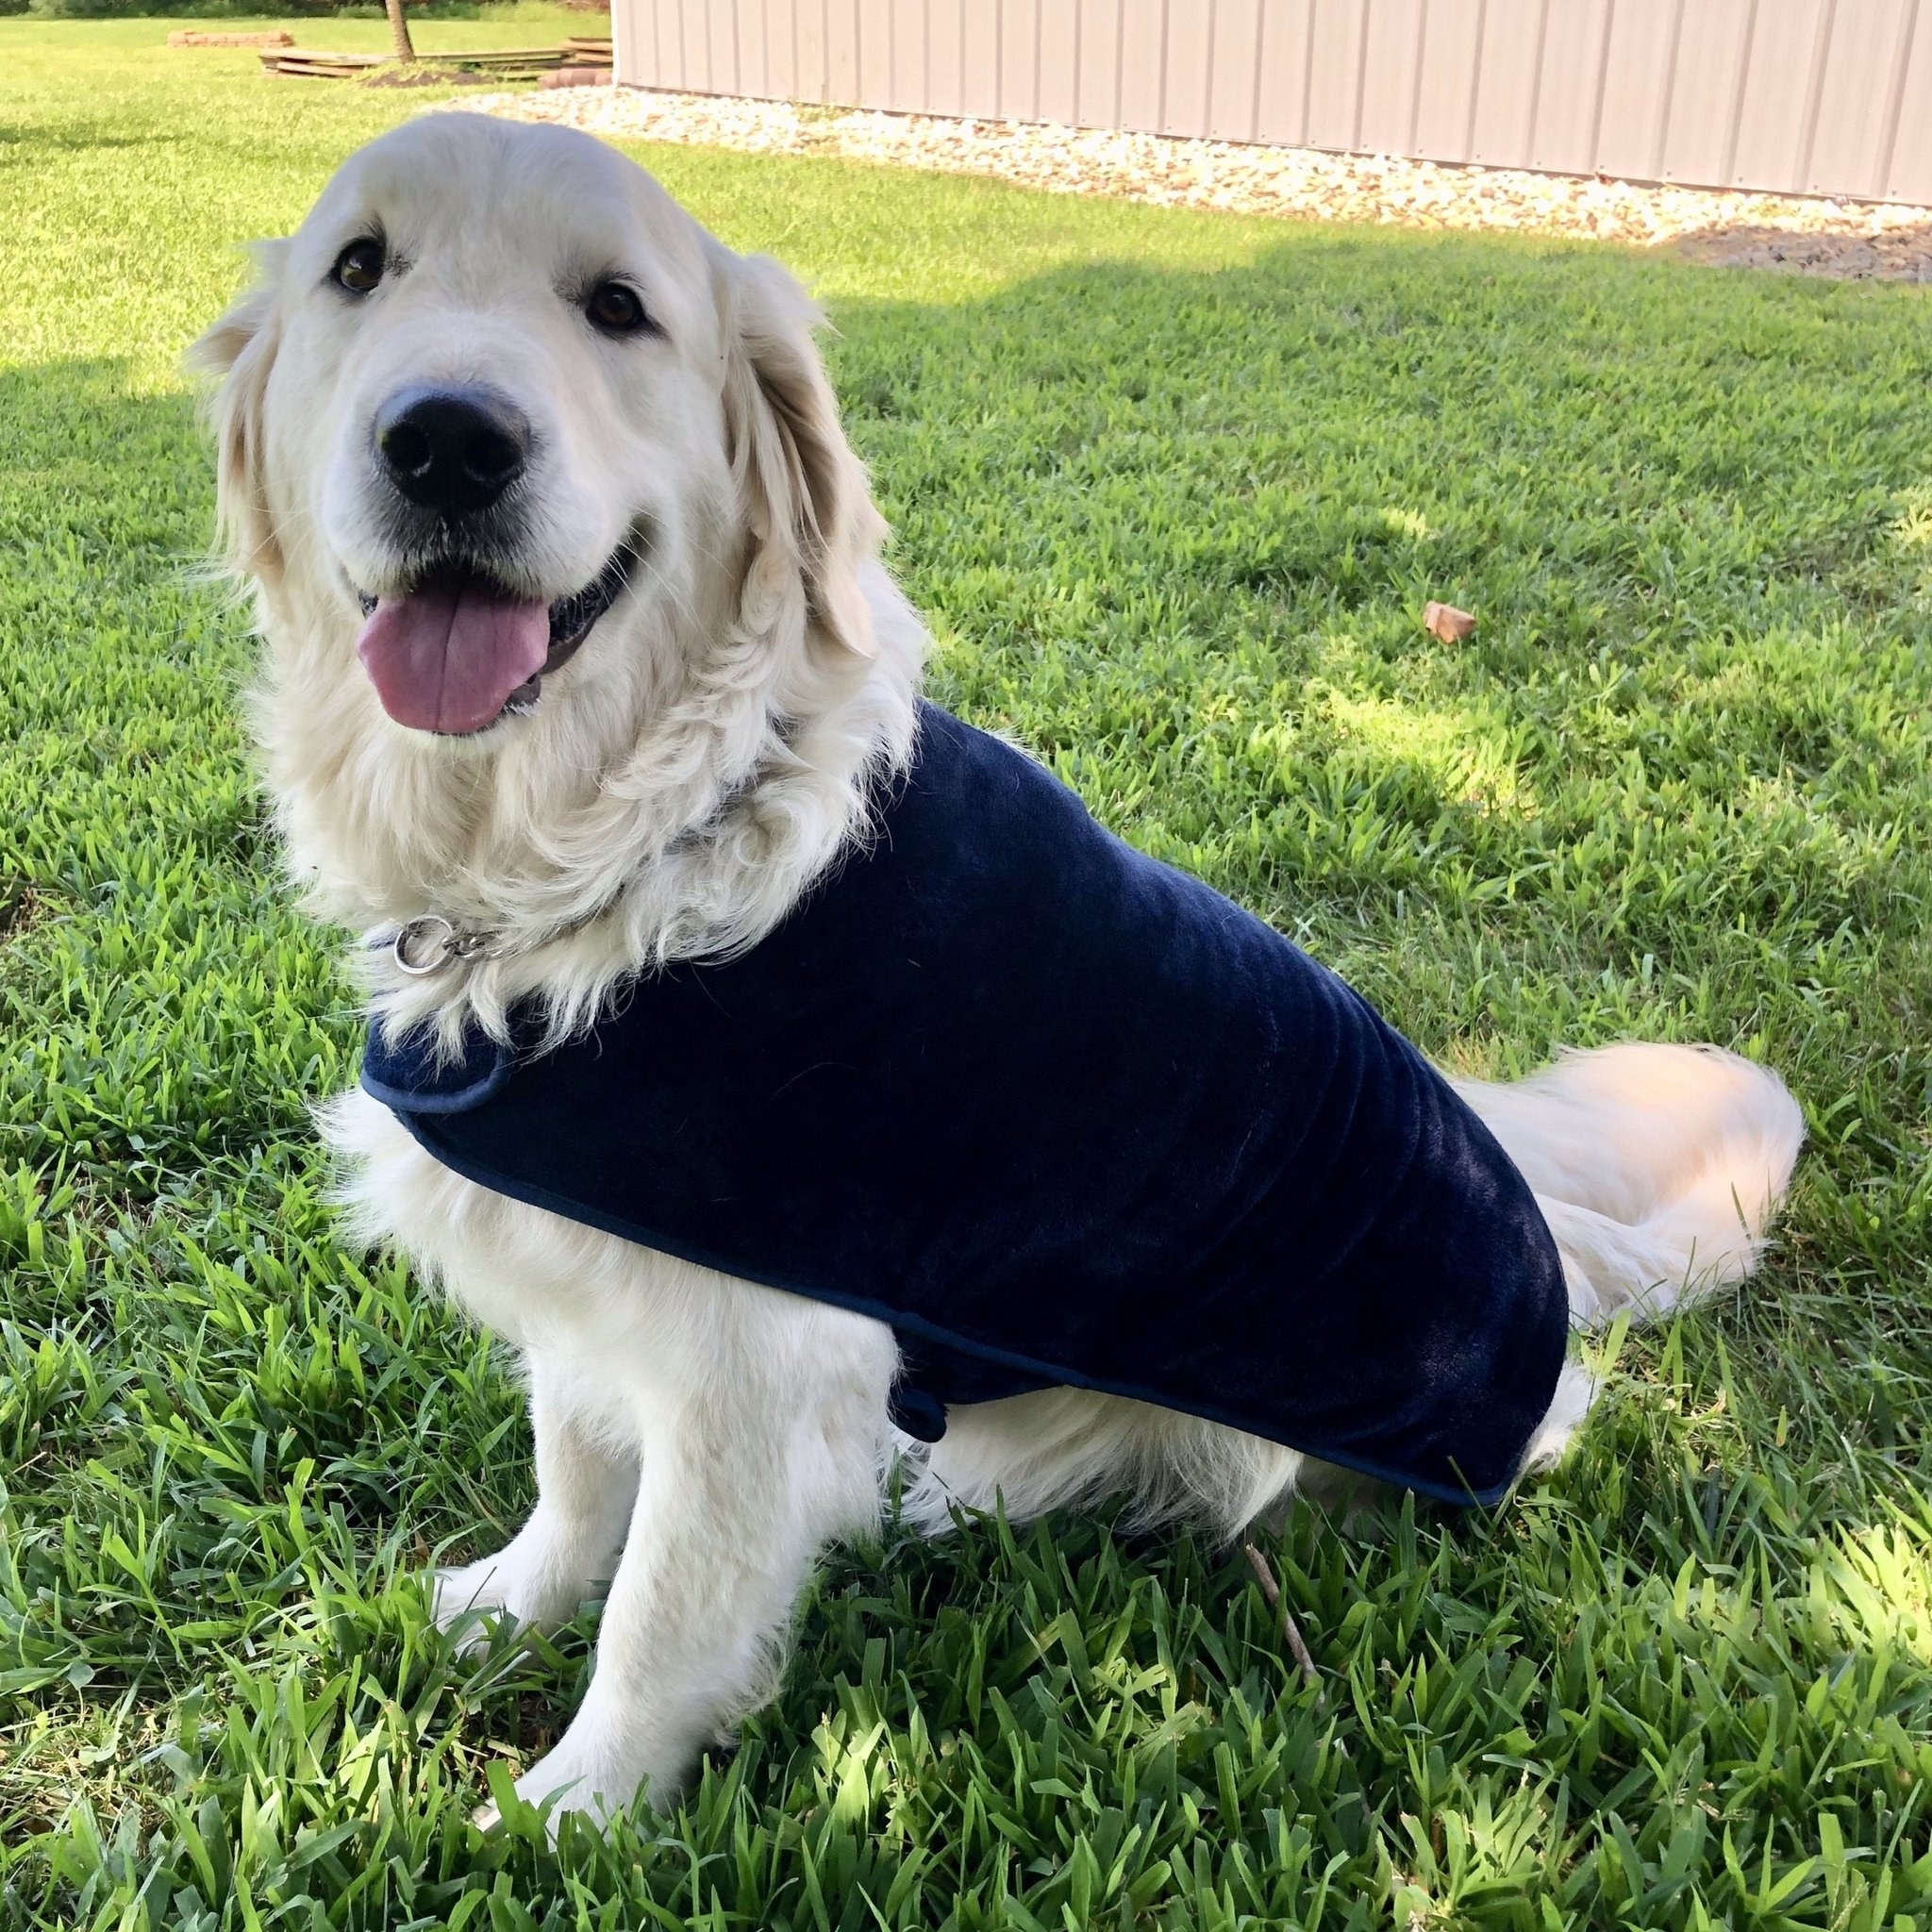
point(499, 408)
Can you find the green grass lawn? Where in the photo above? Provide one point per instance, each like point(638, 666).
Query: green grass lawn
point(1173, 488)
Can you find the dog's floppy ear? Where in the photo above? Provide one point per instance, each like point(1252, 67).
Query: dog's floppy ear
point(803, 492)
point(240, 350)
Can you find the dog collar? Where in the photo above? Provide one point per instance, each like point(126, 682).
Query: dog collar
point(426, 943)
point(429, 942)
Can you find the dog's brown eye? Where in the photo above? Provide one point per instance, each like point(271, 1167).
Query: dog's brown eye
point(360, 266)
point(615, 310)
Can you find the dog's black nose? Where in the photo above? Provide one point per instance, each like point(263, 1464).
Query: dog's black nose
point(453, 450)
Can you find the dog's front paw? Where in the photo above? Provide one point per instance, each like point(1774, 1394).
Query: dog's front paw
point(573, 1779)
point(463, 1601)
point(508, 1586)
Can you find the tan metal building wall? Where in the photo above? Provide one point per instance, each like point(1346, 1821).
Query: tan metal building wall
point(1802, 96)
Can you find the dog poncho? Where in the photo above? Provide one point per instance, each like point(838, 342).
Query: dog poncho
point(1060, 1115)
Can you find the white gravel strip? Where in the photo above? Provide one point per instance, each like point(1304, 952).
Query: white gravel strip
point(1247, 179)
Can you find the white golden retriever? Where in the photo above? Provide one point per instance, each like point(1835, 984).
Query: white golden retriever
point(580, 767)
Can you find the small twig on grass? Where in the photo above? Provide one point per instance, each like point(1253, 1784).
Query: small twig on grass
point(1289, 1628)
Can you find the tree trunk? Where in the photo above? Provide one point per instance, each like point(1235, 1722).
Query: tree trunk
point(399, 31)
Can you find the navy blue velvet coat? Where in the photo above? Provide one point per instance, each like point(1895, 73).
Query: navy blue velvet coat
point(1060, 1115)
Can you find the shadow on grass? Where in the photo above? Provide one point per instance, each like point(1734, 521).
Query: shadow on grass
point(1177, 528)
point(19, 145)
point(94, 450)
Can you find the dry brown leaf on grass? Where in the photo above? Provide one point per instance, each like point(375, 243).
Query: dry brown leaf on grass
point(1447, 624)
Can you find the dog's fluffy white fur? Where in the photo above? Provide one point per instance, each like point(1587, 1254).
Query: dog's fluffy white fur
point(701, 760)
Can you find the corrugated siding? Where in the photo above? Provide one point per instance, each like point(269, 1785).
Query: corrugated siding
point(1799, 96)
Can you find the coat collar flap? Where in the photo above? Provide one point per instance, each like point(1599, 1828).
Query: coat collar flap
point(406, 1072)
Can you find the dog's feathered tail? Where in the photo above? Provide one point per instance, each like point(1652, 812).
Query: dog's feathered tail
point(1656, 1167)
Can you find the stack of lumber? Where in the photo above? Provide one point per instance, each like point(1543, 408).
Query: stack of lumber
point(329, 66)
point(498, 63)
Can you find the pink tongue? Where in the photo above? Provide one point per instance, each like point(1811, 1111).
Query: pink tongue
point(447, 660)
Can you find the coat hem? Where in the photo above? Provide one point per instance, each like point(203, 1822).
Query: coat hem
point(922, 1329)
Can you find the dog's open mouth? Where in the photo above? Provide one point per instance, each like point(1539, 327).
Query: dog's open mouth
point(458, 651)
